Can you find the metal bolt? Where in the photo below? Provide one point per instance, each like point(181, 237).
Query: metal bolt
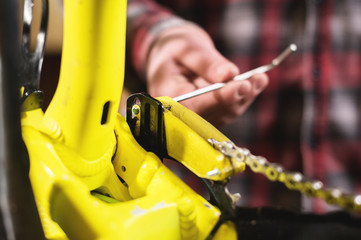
point(135, 110)
point(214, 172)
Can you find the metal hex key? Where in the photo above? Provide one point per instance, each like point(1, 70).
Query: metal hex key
point(243, 76)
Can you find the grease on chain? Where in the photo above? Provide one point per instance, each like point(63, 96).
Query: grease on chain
point(292, 180)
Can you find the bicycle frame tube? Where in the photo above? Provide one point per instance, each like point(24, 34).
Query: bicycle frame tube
point(84, 106)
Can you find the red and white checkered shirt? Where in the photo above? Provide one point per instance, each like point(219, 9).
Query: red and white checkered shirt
point(308, 119)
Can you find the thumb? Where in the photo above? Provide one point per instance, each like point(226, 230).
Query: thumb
point(223, 71)
point(209, 64)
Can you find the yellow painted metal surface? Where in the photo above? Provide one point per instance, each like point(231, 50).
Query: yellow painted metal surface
point(187, 141)
point(77, 152)
point(155, 201)
point(91, 76)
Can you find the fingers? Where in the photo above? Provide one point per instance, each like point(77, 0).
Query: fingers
point(208, 63)
point(171, 80)
point(184, 59)
point(234, 92)
point(258, 83)
point(193, 48)
point(223, 106)
point(219, 107)
point(189, 46)
point(241, 94)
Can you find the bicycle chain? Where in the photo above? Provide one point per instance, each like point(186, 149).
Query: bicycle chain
point(292, 180)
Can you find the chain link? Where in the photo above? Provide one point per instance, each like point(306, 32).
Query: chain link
point(292, 180)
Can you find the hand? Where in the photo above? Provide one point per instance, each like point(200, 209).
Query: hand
point(184, 59)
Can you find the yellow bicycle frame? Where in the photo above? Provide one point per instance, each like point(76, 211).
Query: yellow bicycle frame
point(90, 178)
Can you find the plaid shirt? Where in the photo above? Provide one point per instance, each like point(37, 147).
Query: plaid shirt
point(308, 118)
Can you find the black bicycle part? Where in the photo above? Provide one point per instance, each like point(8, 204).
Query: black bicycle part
point(220, 198)
point(152, 134)
point(32, 100)
point(263, 223)
point(19, 217)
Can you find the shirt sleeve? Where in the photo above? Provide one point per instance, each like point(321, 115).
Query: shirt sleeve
point(146, 20)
